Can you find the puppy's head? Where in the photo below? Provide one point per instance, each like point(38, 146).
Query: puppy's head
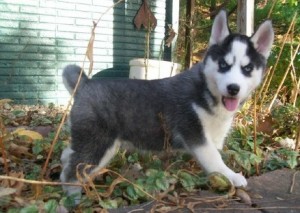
point(234, 64)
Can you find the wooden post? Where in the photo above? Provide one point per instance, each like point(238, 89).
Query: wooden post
point(190, 7)
point(245, 17)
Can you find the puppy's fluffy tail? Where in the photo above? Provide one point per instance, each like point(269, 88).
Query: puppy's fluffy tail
point(70, 75)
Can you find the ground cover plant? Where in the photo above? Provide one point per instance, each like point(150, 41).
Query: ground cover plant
point(132, 177)
point(265, 137)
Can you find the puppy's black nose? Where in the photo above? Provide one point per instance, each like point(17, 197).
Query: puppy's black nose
point(233, 89)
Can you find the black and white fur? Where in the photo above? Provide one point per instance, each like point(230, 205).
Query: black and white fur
point(197, 105)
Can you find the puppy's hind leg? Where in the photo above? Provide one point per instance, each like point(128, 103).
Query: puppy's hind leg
point(97, 155)
point(68, 174)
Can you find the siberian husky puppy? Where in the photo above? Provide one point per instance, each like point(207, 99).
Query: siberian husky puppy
point(197, 106)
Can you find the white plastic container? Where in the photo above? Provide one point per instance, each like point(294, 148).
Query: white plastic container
point(156, 69)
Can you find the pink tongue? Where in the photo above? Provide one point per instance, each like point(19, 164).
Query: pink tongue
point(230, 104)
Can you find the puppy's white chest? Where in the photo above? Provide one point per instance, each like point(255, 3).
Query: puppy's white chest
point(215, 126)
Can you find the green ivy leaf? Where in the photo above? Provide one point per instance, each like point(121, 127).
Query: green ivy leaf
point(187, 181)
point(275, 162)
point(109, 204)
point(88, 210)
point(13, 210)
point(151, 172)
point(19, 113)
point(69, 201)
point(45, 121)
point(51, 206)
point(131, 193)
point(34, 173)
point(133, 158)
point(255, 159)
point(30, 209)
point(292, 159)
point(242, 158)
point(162, 183)
point(138, 190)
point(37, 148)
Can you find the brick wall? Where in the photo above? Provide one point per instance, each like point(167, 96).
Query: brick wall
point(39, 37)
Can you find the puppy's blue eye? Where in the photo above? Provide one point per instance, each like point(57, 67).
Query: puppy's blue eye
point(248, 68)
point(223, 66)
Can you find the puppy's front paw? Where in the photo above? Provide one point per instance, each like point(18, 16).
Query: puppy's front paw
point(238, 180)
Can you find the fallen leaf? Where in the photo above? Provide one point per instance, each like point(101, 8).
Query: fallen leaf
point(2, 160)
point(20, 201)
point(191, 205)
point(256, 196)
point(19, 151)
point(243, 195)
point(90, 50)
point(219, 182)
point(279, 198)
point(4, 101)
point(6, 191)
point(171, 36)
point(29, 133)
point(17, 185)
point(164, 209)
point(111, 187)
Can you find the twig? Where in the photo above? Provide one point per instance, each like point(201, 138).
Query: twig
point(4, 156)
point(271, 10)
point(293, 182)
point(137, 210)
point(147, 49)
point(284, 77)
point(261, 88)
point(167, 135)
point(43, 182)
point(255, 133)
point(296, 84)
point(296, 90)
point(36, 182)
point(142, 209)
point(172, 164)
point(228, 196)
point(298, 136)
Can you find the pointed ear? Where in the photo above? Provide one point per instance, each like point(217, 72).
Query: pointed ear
point(263, 38)
point(219, 29)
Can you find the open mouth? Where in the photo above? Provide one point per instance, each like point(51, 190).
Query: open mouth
point(230, 103)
